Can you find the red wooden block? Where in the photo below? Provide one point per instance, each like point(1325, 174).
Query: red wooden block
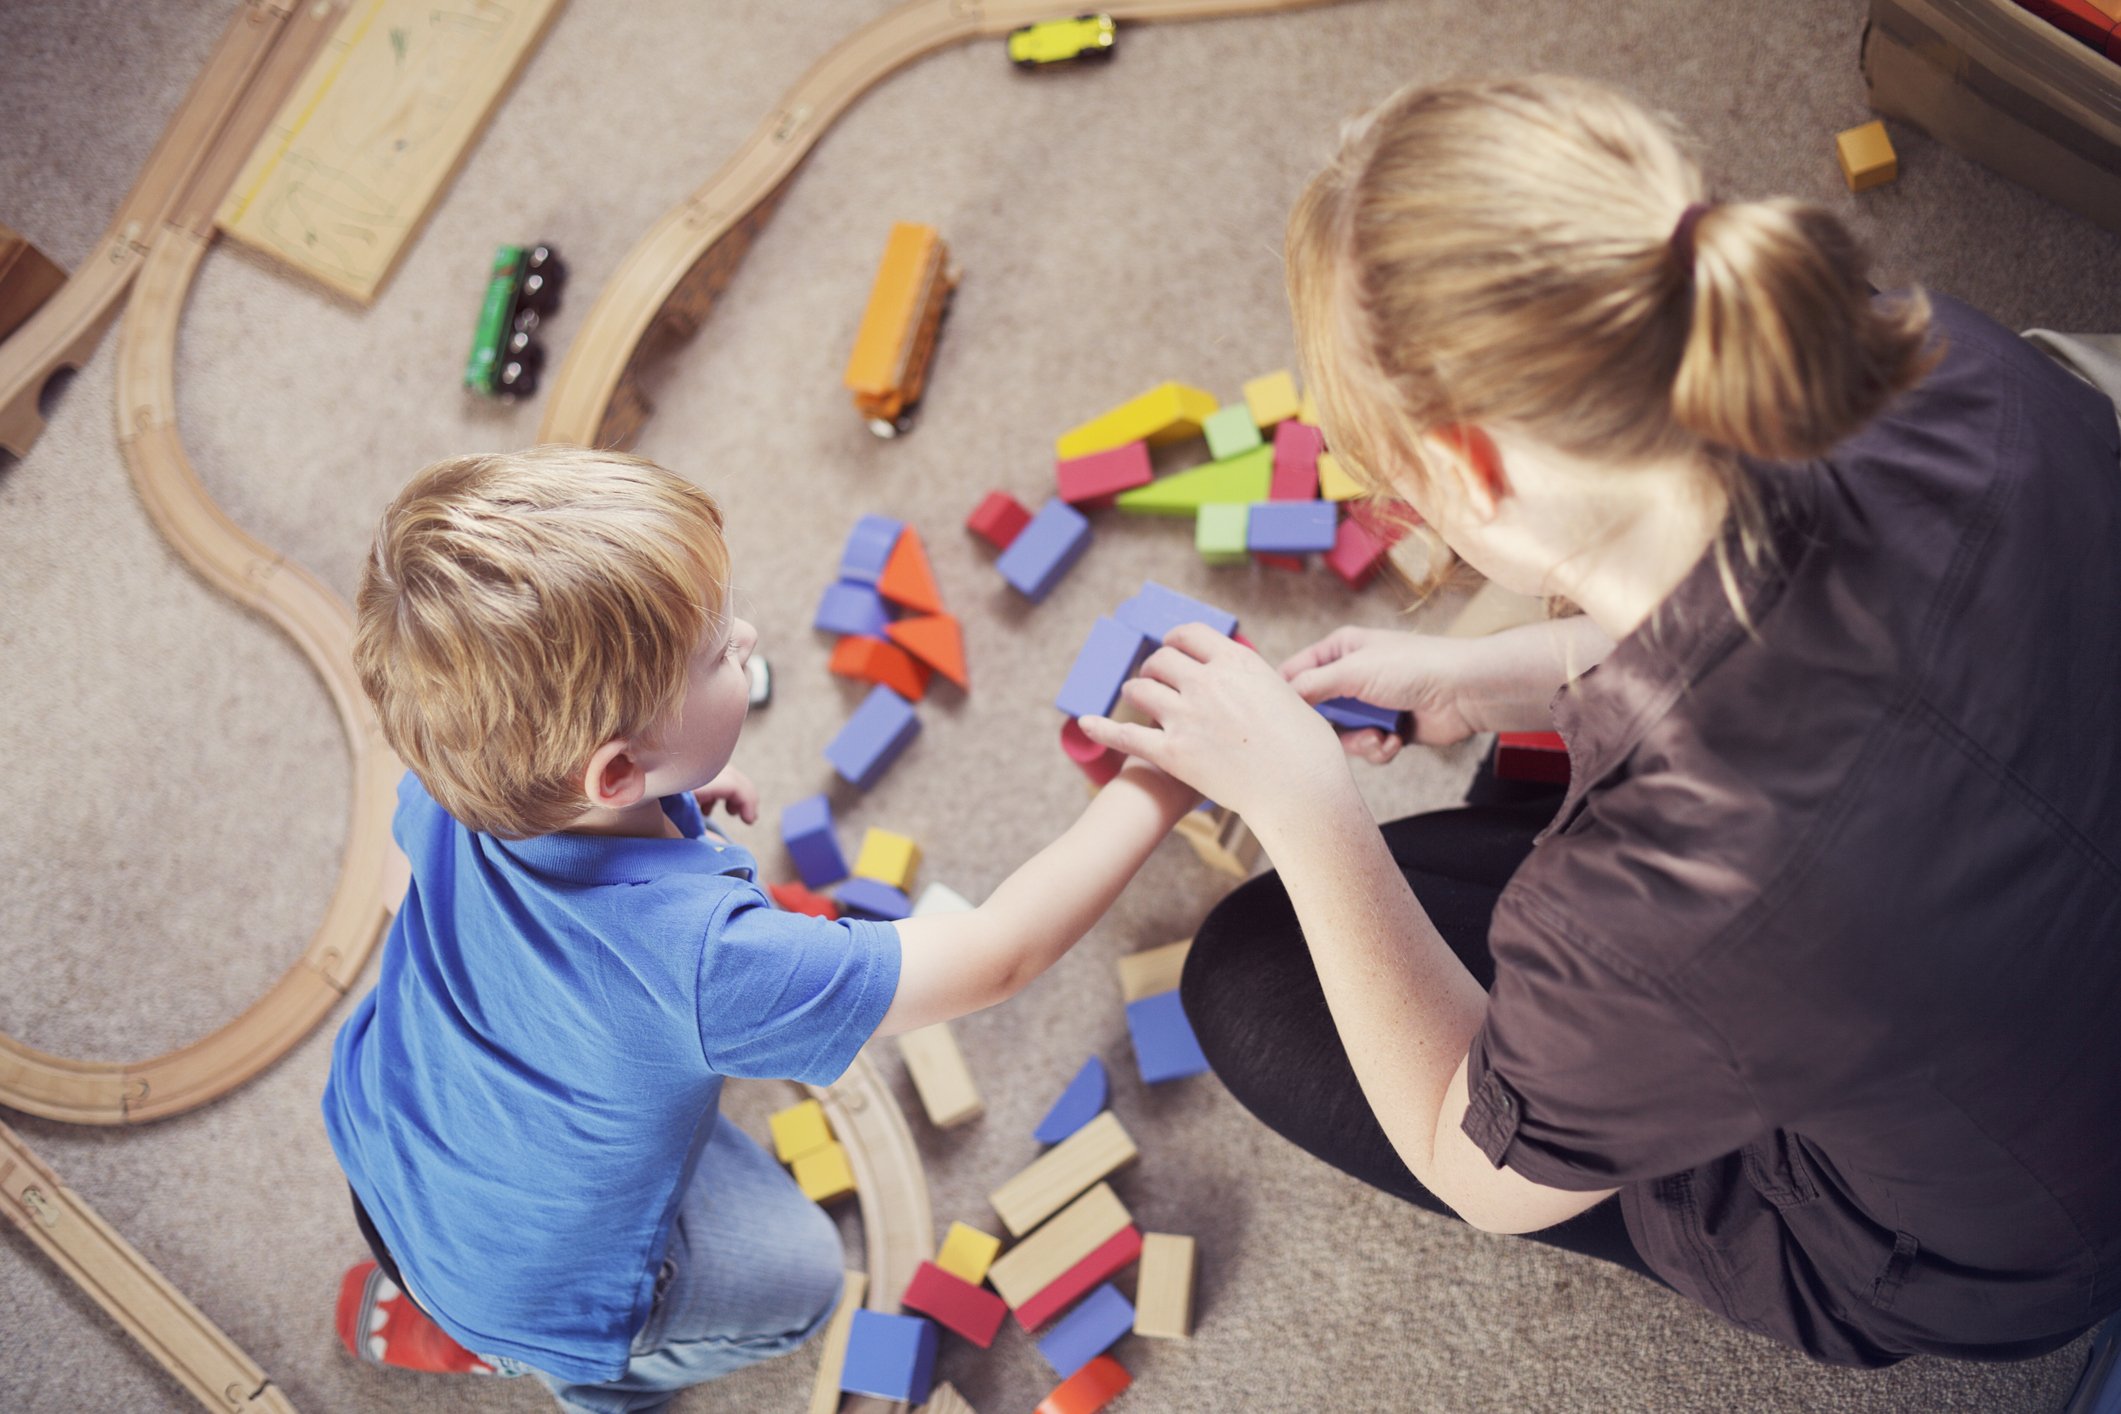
point(1280, 562)
point(1532, 756)
point(1093, 481)
point(1079, 1280)
point(1099, 763)
point(873, 660)
point(907, 580)
point(1089, 1389)
point(1296, 449)
point(971, 1311)
point(1389, 521)
point(998, 519)
point(797, 899)
point(1357, 551)
point(2081, 20)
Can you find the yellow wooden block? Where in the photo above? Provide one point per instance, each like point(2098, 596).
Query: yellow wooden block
point(1272, 398)
point(823, 1174)
point(1163, 1301)
point(1169, 412)
point(1152, 970)
point(832, 1347)
point(799, 1130)
point(1334, 483)
point(1098, 1149)
point(967, 1252)
point(1038, 1261)
point(1867, 158)
point(940, 1076)
point(891, 858)
point(1307, 410)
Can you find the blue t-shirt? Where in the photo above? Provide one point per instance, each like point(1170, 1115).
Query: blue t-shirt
point(522, 1099)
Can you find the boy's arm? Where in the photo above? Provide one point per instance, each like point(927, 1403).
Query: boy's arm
point(953, 963)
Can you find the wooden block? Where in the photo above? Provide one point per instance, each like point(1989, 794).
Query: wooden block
point(1163, 1295)
point(889, 857)
point(1219, 533)
point(824, 1175)
point(1045, 1256)
point(1089, 1389)
point(1097, 1150)
point(940, 1075)
point(1168, 412)
point(1230, 432)
point(944, 1399)
point(1244, 477)
point(1105, 1261)
point(832, 1350)
point(799, 1130)
point(377, 128)
point(797, 899)
point(28, 277)
point(1867, 158)
point(907, 580)
point(1334, 483)
point(1222, 840)
point(1094, 480)
point(1152, 970)
point(967, 1252)
point(941, 898)
point(955, 1304)
point(937, 640)
point(1271, 397)
point(873, 660)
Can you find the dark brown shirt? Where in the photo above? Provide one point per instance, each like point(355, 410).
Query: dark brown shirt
point(1820, 962)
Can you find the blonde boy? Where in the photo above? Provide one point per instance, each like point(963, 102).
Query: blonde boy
point(526, 1104)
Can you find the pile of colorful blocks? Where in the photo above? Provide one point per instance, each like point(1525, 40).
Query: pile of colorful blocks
point(892, 632)
point(1270, 490)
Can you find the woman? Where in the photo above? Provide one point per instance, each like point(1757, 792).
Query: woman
point(1805, 1001)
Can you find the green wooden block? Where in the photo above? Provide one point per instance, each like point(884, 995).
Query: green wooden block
point(1219, 532)
point(1244, 477)
point(1229, 431)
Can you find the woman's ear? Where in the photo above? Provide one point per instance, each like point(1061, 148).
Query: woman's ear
point(1465, 453)
point(614, 779)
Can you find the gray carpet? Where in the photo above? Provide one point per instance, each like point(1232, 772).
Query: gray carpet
point(176, 789)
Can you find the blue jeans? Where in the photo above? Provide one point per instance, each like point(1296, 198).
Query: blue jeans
point(753, 1270)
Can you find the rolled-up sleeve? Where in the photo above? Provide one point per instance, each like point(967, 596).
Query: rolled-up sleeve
point(1587, 1074)
point(786, 995)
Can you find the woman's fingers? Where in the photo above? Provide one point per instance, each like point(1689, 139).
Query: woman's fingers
point(1130, 738)
point(1338, 643)
point(1172, 666)
point(1150, 696)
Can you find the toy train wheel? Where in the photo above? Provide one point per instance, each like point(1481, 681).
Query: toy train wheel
point(526, 320)
point(888, 427)
point(518, 375)
point(538, 292)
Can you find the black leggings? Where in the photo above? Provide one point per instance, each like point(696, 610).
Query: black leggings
point(1255, 1001)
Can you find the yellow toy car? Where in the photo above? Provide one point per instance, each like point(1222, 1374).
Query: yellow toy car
point(1058, 41)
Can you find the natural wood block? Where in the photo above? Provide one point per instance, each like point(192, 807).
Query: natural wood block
point(1041, 1259)
point(28, 277)
point(1152, 970)
point(1222, 840)
point(799, 1130)
point(940, 1075)
point(967, 1252)
point(943, 1399)
point(824, 1174)
point(1097, 1150)
point(832, 1350)
point(1163, 1298)
point(1867, 158)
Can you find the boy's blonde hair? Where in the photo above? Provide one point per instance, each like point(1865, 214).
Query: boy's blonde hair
point(1502, 253)
point(521, 609)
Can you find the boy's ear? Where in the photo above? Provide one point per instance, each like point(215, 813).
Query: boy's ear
point(1470, 454)
point(614, 779)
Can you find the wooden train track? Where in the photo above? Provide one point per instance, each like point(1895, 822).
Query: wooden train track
point(663, 287)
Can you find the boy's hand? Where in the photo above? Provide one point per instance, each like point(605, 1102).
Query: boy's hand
point(734, 791)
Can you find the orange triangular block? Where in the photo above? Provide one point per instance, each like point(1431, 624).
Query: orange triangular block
point(906, 578)
point(937, 641)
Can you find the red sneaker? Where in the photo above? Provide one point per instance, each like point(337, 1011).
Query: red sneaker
point(378, 1323)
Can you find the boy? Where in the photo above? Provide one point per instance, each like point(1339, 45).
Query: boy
point(526, 1104)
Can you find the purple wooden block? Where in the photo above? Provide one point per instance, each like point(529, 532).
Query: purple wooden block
point(1351, 714)
point(806, 828)
point(873, 898)
point(1291, 527)
point(869, 547)
point(1164, 1043)
point(852, 608)
point(889, 1357)
point(1077, 1105)
point(1045, 550)
point(1156, 610)
point(873, 737)
point(1108, 658)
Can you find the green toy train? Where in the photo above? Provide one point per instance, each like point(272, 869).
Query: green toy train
point(524, 290)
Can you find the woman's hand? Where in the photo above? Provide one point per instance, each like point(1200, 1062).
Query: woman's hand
point(1416, 673)
point(1228, 725)
point(734, 791)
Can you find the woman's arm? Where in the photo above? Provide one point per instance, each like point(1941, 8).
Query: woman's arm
point(954, 963)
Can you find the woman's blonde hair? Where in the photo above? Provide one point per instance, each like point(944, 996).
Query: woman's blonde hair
point(521, 609)
point(1503, 253)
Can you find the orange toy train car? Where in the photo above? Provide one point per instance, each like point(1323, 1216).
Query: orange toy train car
point(906, 304)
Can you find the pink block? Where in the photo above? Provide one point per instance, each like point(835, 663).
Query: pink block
point(998, 519)
point(1100, 1266)
point(1094, 480)
point(1099, 763)
point(1356, 552)
point(1296, 449)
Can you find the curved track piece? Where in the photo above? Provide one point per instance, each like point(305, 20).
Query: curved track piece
point(665, 284)
point(185, 1343)
point(898, 1220)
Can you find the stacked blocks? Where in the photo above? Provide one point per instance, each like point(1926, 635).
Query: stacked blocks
point(1047, 548)
point(1220, 533)
point(1164, 1044)
point(1271, 398)
point(957, 1305)
point(998, 519)
point(850, 608)
point(872, 898)
point(1230, 431)
point(1096, 1151)
point(1077, 1105)
point(1088, 1331)
point(803, 1140)
point(806, 828)
point(882, 727)
point(1044, 1257)
point(890, 858)
point(1297, 447)
point(889, 1357)
point(1097, 479)
point(1108, 658)
point(1291, 527)
point(1100, 1264)
point(1357, 551)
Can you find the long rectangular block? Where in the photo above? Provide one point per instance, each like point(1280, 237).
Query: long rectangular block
point(1096, 479)
point(1088, 1331)
point(1296, 450)
point(889, 1357)
point(1104, 1262)
point(940, 1075)
point(873, 898)
point(1168, 412)
point(806, 830)
point(868, 548)
point(1075, 1232)
point(1108, 658)
point(1352, 714)
point(1221, 533)
point(1153, 970)
point(955, 1304)
point(825, 1388)
point(1156, 609)
point(1291, 527)
point(1164, 1043)
point(882, 727)
point(1163, 1294)
point(1097, 1150)
point(850, 608)
point(1045, 550)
